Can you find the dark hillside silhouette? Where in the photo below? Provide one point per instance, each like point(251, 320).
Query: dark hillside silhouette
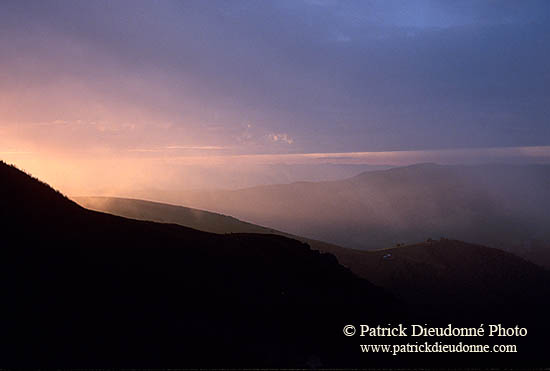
point(86, 289)
point(455, 272)
point(82, 288)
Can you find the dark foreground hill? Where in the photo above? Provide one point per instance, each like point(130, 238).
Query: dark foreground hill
point(82, 288)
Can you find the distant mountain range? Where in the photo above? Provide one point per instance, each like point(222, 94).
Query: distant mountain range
point(503, 206)
point(416, 273)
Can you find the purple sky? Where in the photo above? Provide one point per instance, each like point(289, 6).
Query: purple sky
point(220, 78)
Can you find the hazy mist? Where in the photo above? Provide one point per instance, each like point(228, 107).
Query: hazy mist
point(496, 205)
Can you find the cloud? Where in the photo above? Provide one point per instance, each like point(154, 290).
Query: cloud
point(175, 148)
point(205, 148)
point(281, 138)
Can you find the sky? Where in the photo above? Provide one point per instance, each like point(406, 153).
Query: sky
point(132, 92)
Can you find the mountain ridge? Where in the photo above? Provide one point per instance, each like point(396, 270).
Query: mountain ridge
point(89, 289)
point(495, 205)
point(83, 288)
point(409, 262)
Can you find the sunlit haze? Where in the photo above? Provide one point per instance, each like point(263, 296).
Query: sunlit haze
point(103, 97)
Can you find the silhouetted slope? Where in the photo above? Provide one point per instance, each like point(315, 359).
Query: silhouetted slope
point(534, 251)
point(495, 205)
point(455, 272)
point(165, 213)
point(82, 288)
point(187, 217)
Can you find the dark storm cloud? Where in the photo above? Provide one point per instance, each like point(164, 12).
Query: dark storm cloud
point(333, 75)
